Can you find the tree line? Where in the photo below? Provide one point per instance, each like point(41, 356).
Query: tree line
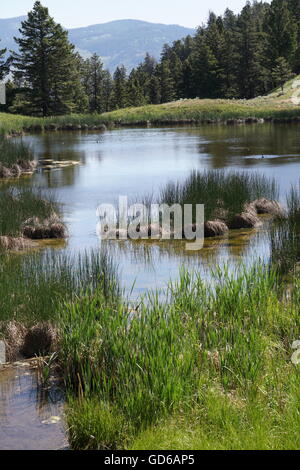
point(232, 56)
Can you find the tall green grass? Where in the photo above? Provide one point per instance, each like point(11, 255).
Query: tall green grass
point(14, 152)
point(223, 193)
point(285, 235)
point(19, 204)
point(33, 286)
point(136, 372)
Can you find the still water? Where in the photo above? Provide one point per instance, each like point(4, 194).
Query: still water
point(138, 162)
point(30, 419)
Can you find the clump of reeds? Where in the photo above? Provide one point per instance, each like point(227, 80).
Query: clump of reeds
point(13, 334)
point(16, 158)
point(285, 234)
point(214, 228)
point(33, 286)
point(26, 212)
point(50, 228)
point(226, 196)
point(28, 342)
point(39, 340)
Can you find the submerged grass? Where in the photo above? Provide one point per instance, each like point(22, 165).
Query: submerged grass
point(215, 360)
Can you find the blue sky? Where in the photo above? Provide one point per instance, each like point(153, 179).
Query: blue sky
point(75, 13)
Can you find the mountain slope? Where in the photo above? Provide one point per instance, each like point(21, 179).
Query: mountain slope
point(117, 42)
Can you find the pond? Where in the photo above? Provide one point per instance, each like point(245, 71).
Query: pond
point(137, 162)
point(134, 163)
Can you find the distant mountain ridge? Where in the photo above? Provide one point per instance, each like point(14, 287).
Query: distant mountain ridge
point(117, 42)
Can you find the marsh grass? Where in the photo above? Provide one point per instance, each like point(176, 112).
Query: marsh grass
point(285, 235)
point(33, 286)
point(205, 351)
point(14, 152)
point(224, 194)
point(19, 204)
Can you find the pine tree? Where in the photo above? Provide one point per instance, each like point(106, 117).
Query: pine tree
point(281, 72)
point(154, 90)
point(107, 94)
point(135, 89)
point(281, 29)
point(229, 56)
point(94, 84)
point(167, 84)
point(120, 96)
point(203, 65)
point(48, 65)
point(4, 64)
point(251, 73)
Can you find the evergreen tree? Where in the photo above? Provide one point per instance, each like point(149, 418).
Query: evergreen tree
point(107, 94)
point(4, 64)
point(154, 89)
point(48, 66)
point(120, 96)
point(167, 84)
point(281, 29)
point(94, 84)
point(251, 73)
point(204, 66)
point(281, 72)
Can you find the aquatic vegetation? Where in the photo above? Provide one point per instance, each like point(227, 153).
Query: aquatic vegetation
point(285, 235)
point(26, 212)
point(16, 158)
point(206, 351)
point(227, 196)
point(33, 286)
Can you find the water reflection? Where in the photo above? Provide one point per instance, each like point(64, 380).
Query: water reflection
point(26, 412)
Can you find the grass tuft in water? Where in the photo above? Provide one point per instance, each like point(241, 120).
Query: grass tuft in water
point(223, 193)
point(285, 235)
point(20, 204)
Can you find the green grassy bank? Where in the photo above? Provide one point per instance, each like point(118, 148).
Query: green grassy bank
point(277, 106)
